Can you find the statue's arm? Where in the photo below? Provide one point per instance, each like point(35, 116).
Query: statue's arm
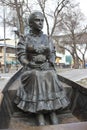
point(52, 54)
point(21, 52)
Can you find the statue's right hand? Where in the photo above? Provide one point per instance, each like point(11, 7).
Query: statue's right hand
point(24, 61)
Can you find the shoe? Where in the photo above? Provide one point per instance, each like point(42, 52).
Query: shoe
point(41, 120)
point(54, 118)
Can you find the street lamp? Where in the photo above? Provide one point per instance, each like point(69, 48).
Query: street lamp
point(15, 31)
point(4, 24)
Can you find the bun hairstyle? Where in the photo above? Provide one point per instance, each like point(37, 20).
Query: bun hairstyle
point(32, 17)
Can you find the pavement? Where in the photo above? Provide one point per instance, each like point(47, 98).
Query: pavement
point(72, 74)
point(4, 77)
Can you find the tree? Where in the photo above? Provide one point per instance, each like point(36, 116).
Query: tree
point(82, 47)
point(74, 34)
point(16, 9)
point(53, 14)
point(23, 7)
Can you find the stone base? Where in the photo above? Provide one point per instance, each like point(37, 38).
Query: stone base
point(71, 126)
point(20, 120)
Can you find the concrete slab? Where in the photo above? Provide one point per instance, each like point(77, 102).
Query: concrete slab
point(71, 126)
point(74, 74)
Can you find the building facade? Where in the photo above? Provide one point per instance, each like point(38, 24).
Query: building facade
point(8, 56)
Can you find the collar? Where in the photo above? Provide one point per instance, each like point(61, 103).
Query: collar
point(35, 33)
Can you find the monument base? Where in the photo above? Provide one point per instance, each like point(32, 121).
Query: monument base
point(70, 126)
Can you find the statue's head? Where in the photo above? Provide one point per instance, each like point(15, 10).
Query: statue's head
point(36, 20)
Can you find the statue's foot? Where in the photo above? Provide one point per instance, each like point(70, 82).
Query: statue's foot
point(54, 118)
point(41, 120)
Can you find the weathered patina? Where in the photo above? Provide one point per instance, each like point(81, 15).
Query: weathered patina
point(40, 92)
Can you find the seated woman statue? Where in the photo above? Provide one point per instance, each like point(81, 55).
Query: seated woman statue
point(40, 91)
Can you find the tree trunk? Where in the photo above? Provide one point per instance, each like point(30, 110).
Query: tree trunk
point(76, 63)
point(84, 62)
point(20, 18)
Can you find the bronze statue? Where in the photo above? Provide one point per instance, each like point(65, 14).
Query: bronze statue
point(40, 91)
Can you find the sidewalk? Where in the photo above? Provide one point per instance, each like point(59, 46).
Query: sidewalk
point(4, 78)
point(73, 74)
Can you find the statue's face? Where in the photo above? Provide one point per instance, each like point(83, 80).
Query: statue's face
point(38, 21)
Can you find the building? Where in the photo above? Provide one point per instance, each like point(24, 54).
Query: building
point(7, 53)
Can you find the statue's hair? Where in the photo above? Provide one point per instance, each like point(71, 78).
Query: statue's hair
point(32, 16)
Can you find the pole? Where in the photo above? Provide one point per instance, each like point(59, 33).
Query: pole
point(16, 51)
point(4, 39)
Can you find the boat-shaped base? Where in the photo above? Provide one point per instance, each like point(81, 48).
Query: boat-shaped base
point(71, 118)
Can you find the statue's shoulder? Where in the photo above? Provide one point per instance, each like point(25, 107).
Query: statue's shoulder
point(22, 38)
point(28, 36)
point(45, 35)
point(45, 38)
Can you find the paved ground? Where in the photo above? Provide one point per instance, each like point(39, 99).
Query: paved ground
point(72, 74)
point(4, 77)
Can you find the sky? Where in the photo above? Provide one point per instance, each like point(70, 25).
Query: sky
point(83, 7)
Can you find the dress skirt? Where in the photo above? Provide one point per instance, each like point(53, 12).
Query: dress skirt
point(40, 91)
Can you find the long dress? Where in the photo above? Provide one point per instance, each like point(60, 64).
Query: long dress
point(40, 90)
